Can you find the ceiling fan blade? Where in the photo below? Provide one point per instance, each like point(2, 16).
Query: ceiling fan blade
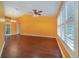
point(7, 17)
point(38, 14)
point(34, 10)
point(40, 11)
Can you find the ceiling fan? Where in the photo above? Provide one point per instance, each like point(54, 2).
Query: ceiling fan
point(37, 12)
point(7, 17)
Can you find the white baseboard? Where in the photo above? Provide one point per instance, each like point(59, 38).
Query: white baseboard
point(1, 49)
point(60, 48)
point(9, 34)
point(66, 48)
point(39, 35)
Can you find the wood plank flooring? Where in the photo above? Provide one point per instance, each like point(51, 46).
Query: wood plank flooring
point(20, 46)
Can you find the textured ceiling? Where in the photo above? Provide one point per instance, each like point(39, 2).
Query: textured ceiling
point(19, 8)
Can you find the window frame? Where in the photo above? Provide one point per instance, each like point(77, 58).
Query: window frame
point(75, 52)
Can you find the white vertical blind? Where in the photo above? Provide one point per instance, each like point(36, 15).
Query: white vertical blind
point(66, 24)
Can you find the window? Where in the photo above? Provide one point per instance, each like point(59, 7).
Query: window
point(66, 24)
point(70, 25)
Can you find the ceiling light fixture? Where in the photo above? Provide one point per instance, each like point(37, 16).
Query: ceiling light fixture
point(2, 20)
point(13, 21)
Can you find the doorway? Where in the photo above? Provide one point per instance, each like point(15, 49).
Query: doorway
point(7, 29)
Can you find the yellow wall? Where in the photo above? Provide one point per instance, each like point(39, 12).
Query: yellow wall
point(1, 34)
point(2, 25)
point(42, 25)
point(1, 9)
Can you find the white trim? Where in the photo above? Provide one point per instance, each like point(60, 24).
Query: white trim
point(76, 30)
point(60, 48)
point(38, 35)
point(2, 49)
point(72, 53)
point(18, 28)
point(10, 34)
point(65, 46)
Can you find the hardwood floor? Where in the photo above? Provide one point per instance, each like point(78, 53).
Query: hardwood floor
point(19, 46)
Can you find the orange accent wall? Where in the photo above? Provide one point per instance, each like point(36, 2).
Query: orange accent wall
point(13, 28)
point(2, 26)
point(41, 25)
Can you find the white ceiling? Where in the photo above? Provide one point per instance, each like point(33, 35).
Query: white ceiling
point(19, 8)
